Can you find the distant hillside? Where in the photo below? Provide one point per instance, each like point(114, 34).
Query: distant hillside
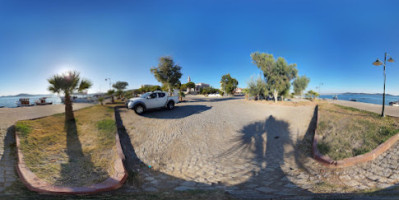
point(354, 93)
point(27, 95)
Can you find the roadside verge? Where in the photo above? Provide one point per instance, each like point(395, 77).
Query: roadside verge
point(32, 182)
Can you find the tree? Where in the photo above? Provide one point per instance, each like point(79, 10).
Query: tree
point(183, 87)
point(120, 86)
point(111, 93)
point(278, 73)
point(68, 83)
point(190, 85)
point(312, 94)
point(144, 89)
point(257, 87)
point(228, 84)
point(300, 84)
point(129, 94)
point(181, 95)
point(101, 100)
point(167, 73)
point(154, 88)
point(209, 90)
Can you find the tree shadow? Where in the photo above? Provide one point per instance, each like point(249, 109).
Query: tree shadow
point(131, 161)
point(303, 148)
point(79, 166)
point(8, 159)
point(177, 113)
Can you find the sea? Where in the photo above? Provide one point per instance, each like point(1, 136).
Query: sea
point(365, 98)
point(11, 101)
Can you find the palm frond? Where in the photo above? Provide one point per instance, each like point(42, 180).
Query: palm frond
point(84, 85)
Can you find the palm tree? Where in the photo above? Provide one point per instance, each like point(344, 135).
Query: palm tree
point(111, 93)
point(68, 83)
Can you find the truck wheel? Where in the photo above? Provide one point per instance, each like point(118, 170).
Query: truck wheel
point(139, 109)
point(171, 105)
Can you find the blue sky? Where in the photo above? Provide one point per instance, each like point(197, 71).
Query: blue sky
point(332, 42)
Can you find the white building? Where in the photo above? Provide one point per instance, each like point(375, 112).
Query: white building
point(199, 86)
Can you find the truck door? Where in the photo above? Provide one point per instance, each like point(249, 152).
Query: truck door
point(161, 100)
point(151, 101)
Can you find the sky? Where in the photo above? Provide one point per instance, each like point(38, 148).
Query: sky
point(332, 42)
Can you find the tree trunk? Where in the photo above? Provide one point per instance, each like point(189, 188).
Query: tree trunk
point(170, 90)
point(275, 95)
point(112, 99)
point(68, 108)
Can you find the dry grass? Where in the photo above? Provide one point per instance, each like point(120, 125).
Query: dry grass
point(346, 132)
point(70, 154)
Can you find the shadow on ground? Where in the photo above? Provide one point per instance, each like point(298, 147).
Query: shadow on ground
point(266, 141)
point(8, 159)
point(180, 111)
point(79, 165)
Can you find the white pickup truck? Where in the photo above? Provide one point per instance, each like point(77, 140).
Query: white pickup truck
point(152, 100)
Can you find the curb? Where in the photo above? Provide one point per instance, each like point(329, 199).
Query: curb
point(33, 183)
point(347, 162)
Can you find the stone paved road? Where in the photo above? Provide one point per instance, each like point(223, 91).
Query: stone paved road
point(248, 149)
point(243, 147)
point(8, 116)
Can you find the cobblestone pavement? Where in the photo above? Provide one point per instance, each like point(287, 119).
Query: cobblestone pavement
point(8, 116)
point(245, 148)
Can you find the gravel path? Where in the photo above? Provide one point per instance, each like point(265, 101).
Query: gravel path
point(8, 117)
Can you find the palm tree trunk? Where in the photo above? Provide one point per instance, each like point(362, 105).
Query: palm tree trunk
point(68, 108)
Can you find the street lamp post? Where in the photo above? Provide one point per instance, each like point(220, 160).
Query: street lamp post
point(319, 87)
point(378, 63)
